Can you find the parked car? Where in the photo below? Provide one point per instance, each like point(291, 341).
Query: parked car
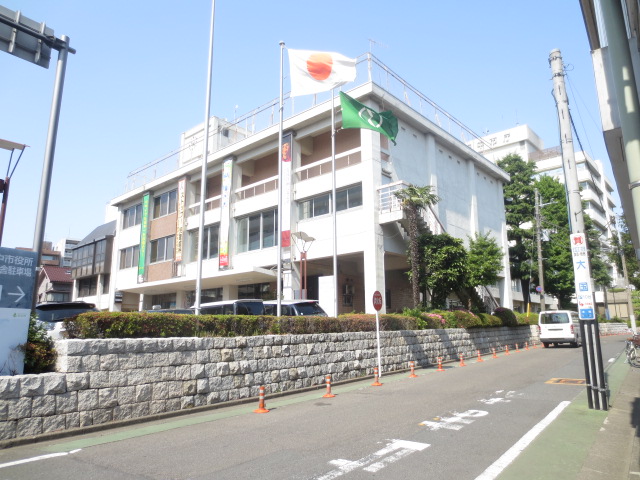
point(52, 315)
point(559, 326)
point(294, 308)
point(233, 307)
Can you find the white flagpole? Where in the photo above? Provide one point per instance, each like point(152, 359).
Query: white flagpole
point(203, 174)
point(279, 249)
point(333, 203)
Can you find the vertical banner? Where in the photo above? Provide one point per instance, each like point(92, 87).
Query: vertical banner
point(144, 232)
point(225, 215)
point(182, 188)
point(287, 153)
point(582, 275)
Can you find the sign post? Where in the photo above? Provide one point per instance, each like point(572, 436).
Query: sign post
point(377, 304)
point(17, 280)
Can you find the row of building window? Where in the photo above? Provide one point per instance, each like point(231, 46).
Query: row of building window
point(166, 204)
point(253, 232)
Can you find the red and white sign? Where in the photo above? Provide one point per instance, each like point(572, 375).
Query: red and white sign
point(377, 300)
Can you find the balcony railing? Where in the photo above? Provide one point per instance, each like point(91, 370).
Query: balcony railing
point(209, 204)
point(390, 203)
point(268, 185)
point(322, 167)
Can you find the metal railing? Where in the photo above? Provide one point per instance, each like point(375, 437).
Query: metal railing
point(368, 68)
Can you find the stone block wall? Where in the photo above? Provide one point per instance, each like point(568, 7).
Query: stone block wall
point(99, 381)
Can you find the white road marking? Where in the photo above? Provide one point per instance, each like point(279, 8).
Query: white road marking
point(491, 401)
point(453, 423)
point(395, 450)
point(510, 455)
point(35, 459)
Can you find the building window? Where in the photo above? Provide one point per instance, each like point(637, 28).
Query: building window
point(257, 231)
point(162, 249)
point(210, 244)
point(165, 204)
point(129, 257)
point(82, 261)
point(167, 300)
point(100, 256)
point(349, 197)
point(132, 216)
point(57, 297)
point(87, 287)
point(256, 290)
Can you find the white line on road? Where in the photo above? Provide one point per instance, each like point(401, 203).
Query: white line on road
point(35, 459)
point(510, 455)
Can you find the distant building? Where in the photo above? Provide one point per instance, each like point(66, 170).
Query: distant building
point(65, 247)
point(54, 284)
point(91, 266)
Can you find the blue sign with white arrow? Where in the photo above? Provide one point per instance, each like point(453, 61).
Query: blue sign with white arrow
point(17, 277)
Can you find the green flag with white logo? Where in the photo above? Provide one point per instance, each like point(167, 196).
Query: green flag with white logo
point(357, 115)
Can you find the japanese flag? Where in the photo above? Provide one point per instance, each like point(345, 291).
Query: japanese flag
point(313, 72)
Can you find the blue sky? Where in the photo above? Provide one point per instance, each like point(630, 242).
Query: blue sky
point(138, 80)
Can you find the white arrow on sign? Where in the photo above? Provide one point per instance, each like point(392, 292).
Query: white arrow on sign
point(20, 295)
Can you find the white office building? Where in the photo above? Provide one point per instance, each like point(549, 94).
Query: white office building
point(155, 246)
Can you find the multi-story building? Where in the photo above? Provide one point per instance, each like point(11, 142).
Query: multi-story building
point(596, 189)
point(65, 246)
point(156, 241)
point(54, 284)
point(91, 261)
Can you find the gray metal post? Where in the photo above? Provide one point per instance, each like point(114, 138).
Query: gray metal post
point(203, 170)
point(47, 168)
point(539, 242)
point(625, 85)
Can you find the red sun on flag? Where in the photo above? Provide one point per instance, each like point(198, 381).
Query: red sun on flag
point(319, 65)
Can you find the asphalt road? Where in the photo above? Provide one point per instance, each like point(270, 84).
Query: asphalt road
point(441, 425)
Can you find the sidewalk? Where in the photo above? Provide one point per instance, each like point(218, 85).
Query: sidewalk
point(586, 444)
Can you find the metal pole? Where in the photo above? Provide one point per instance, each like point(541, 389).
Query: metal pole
point(585, 359)
point(333, 204)
point(3, 209)
point(539, 241)
point(601, 381)
point(49, 153)
point(592, 364)
point(203, 170)
point(281, 126)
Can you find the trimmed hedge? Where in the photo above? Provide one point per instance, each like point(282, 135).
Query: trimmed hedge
point(161, 324)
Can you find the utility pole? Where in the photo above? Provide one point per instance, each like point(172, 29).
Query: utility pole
point(589, 331)
point(539, 242)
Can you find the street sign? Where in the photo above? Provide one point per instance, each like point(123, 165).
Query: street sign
point(582, 276)
point(538, 289)
point(17, 280)
point(377, 300)
point(17, 277)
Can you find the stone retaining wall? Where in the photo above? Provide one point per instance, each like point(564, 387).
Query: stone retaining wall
point(99, 381)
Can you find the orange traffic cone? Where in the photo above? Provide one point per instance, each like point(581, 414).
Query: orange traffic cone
point(440, 369)
point(462, 364)
point(506, 350)
point(526, 345)
point(517, 349)
point(261, 408)
point(480, 357)
point(494, 353)
point(413, 372)
point(376, 382)
point(328, 394)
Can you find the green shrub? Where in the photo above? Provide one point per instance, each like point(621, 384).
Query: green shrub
point(490, 320)
point(507, 317)
point(527, 318)
point(39, 352)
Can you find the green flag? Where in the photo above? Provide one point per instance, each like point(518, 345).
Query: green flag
point(357, 115)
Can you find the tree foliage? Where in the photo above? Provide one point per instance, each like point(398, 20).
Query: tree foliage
point(484, 260)
point(622, 246)
point(519, 211)
point(445, 262)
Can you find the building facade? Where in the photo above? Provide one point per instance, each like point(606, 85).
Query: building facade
point(156, 239)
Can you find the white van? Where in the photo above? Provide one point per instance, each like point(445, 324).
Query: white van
point(559, 326)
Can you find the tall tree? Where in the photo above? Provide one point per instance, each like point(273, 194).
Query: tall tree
point(484, 260)
point(414, 199)
point(446, 269)
point(623, 246)
point(520, 211)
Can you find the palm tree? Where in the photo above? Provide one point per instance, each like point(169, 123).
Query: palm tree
point(414, 199)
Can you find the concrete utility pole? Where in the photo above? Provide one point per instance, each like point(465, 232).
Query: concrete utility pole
point(589, 331)
point(539, 242)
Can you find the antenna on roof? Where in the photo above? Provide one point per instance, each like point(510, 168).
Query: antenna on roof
point(372, 42)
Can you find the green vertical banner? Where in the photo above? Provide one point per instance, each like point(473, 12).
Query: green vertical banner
point(144, 231)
